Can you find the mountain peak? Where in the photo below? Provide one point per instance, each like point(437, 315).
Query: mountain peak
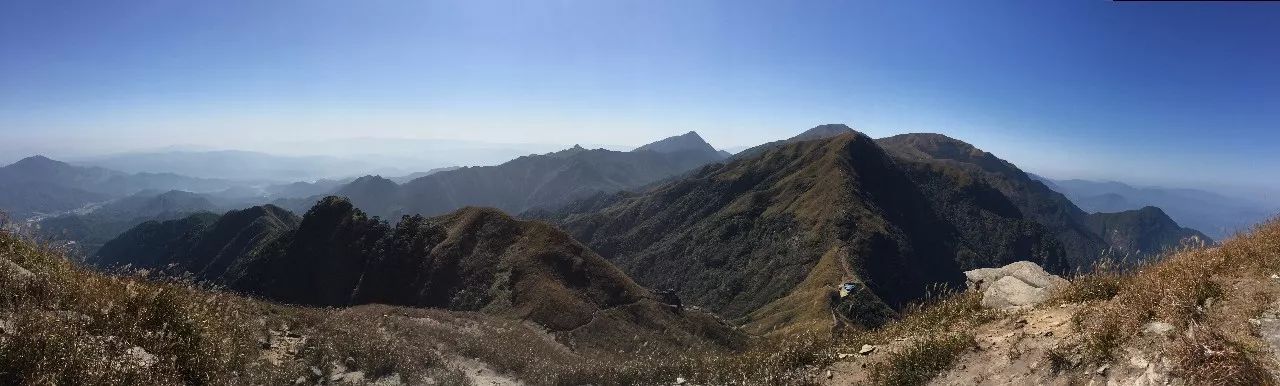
point(823, 131)
point(683, 142)
point(372, 180)
point(38, 161)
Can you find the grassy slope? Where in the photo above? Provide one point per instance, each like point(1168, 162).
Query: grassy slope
point(763, 239)
point(1217, 300)
point(64, 324)
point(1211, 294)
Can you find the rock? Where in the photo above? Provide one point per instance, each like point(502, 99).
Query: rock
point(6, 323)
point(1032, 274)
point(72, 316)
point(354, 378)
point(1103, 369)
point(1275, 276)
point(980, 278)
point(1009, 292)
point(829, 374)
point(1157, 328)
point(1138, 363)
point(843, 355)
point(389, 380)
point(669, 297)
point(15, 271)
point(1017, 285)
point(140, 357)
point(681, 381)
point(867, 349)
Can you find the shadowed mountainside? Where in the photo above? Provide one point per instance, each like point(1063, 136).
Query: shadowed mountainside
point(90, 230)
point(764, 238)
point(1143, 231)
point(472, 260)
point(1030, 197)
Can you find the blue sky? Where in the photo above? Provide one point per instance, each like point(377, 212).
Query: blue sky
point(1146, 92)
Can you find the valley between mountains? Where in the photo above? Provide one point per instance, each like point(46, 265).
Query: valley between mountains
point(829, 257)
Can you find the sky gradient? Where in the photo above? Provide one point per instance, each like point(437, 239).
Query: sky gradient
point(1180, 94)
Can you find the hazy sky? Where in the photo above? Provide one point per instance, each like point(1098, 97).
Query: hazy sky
point(1145, 92)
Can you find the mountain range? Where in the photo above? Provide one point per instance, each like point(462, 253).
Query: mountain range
point(535, 181)
point(39, 186)
point(761, 237)
point(97, 225)
point(237, 164)
point(473, 259)
point(1217, 215)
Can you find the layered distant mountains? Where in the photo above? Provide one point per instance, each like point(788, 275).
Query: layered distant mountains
point(1217, 215)
point(536, 181)
point(38, 185)
point(238, 165)
point(103, 223)
point(89, 205)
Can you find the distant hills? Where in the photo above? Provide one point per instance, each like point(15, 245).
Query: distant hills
point(690, 141)
point(1217, 215)
point(1142, 231)
point(38, 185)
point(470, 260)
point(98, 225)
point(535, 181)
point(237, 164)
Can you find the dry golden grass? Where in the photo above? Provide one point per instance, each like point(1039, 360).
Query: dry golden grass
point(70, 325)
point(73, 326)
point(1188, 289)
point(65, 324)
point(922, 360)
point(1102, 281)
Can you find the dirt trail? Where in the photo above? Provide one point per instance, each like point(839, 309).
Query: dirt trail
point(480, 374)
point(1015, 350)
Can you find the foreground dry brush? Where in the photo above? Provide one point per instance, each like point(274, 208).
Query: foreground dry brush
point(64, 324)
point(1210, 295)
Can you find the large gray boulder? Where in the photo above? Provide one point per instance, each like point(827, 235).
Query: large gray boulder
point(1018, 285)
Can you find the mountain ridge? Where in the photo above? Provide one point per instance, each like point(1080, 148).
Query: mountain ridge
point(740, 237)
point(474, 259)
point(533, 181)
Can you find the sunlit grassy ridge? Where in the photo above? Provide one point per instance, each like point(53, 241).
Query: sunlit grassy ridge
point(63, 324)
point(66, 324)
point(70, 325)
point(1211, 295)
